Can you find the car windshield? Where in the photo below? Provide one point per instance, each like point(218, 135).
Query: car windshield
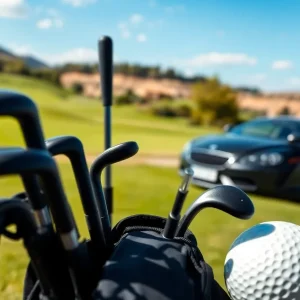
point(267, 129)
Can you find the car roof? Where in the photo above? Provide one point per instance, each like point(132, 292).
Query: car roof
point(279, 118)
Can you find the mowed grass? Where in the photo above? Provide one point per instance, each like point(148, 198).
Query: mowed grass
point(138, 189)
point(70, 115)
point(153, 193)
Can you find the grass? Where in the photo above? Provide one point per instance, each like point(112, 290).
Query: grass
point(62, 114)
point(215, 230)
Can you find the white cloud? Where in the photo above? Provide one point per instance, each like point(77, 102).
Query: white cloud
point(20, 49)
point(77, 55)
point(282, 65)
point(136, 19)
point(125, 33)
point(257, 78)
point(141, 38)
point(48, 23)
point(189, 72)
point(79, 3)
point(44, 24)
point(219, 59)
point(13, 9)
point(294, 81)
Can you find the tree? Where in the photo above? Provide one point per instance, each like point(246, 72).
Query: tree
point(284, 111)
point(77, 88)
point(215, 103)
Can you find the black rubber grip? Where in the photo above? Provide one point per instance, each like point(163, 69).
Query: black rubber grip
point(105, 46)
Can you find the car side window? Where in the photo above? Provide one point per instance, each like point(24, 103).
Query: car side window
point(283, 133)
point(263, 129)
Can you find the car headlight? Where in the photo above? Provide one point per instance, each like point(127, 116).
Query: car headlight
point(263, 159)
point(187, 149)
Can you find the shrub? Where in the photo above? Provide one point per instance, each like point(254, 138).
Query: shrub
point(163, 108)
point(183, 108)
point(215, 103)
point(128, 98)
point(285, 111)
point(77, 88)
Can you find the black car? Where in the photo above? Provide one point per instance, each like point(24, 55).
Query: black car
point(262, 155)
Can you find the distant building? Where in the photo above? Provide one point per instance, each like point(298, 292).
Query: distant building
point(147, 88)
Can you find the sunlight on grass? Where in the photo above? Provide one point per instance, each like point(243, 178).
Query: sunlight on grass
point(63, 115)
point(137, 189)
point(153, 193)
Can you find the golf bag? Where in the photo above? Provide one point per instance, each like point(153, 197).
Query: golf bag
point(144, 265)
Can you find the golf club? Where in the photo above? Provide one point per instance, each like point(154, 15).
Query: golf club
point(174, 216)
point(16, 212)
point(24, 110)
point(41, 163)
point(229, 199)
point(105, 49)
point(72, 147)
point(108, 157)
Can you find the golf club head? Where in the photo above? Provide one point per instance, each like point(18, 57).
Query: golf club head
point(28, 162)
point(67, 145)
point(229, 199)
point(72, 147)
point(16, 212)
point(25, 111)
point(110, 156)
point(113, 155)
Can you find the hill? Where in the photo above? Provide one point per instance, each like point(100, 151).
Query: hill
point(65, 114)
point(29, 61)
point(33, 62)
point(5, 54)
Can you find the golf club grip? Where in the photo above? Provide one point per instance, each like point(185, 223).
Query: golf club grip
point(105, 46)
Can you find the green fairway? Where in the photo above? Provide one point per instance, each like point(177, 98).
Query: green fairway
point(138, 189)
point(66, 115)
point(153, 194)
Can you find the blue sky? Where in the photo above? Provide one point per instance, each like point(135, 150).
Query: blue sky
point(253, 43)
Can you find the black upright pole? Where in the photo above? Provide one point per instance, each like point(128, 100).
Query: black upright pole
point(105, 46)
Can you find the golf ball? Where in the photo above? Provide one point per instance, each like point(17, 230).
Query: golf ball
point(264, 263)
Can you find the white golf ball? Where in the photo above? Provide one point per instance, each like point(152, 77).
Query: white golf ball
point(263, 263)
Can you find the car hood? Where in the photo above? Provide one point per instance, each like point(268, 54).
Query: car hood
point(235, 144)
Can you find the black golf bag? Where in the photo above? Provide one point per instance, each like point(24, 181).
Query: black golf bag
point(144, 265)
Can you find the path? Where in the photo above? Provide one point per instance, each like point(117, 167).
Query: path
point(140, 159)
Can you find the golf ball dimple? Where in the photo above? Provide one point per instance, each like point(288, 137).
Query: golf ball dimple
point(264, 263)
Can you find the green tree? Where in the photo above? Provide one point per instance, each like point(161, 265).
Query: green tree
point(215, 103)
point(77, 88)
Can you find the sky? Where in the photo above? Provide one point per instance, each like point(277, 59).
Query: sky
point(251, 43)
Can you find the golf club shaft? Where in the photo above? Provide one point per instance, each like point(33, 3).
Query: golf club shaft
point(105, 47)
point(41, 249)
point(35, 196)
point(174, 216)
point(108, 190)
point(73, 149)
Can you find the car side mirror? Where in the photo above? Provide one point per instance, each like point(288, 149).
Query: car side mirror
point(293, 138)
point(227, 127)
